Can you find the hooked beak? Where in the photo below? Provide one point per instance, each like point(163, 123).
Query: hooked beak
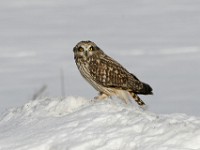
point(86, 53)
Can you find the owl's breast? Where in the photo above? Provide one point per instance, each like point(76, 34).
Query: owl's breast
point(85, 70)
point(83, 67)
point(98, 71)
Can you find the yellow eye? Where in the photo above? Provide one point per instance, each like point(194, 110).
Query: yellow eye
point(91, 48)
point(80, 49)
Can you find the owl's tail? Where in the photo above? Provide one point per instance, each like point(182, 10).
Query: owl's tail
point(146, 90)
point(137, 99)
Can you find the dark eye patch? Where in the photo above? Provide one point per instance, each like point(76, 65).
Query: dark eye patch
point(80, 49)
point(91, 48)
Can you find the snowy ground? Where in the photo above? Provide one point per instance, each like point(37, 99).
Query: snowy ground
point(155, 39)
point(79, 124)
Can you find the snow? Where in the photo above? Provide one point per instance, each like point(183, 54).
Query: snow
point(75, 123)
point(156, 40)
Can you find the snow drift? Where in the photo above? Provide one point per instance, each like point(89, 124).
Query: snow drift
point(77, 123)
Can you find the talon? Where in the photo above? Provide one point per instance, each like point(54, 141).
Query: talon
point(101, 96)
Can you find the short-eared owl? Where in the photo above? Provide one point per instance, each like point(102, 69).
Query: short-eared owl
point(106, 75)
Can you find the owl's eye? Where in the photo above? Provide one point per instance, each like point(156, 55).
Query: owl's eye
point(91, 48)
point(80, 49)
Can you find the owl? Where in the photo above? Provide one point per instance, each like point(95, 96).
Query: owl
point(106, 75)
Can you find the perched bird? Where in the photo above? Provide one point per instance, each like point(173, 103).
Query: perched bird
point(106, 75)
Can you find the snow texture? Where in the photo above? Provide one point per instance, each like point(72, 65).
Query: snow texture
point(80, 124)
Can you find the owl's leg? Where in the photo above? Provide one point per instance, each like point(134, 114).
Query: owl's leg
point(137, 99)
point(101, 96)
point(123, 95)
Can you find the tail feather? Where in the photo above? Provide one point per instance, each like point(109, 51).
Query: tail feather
point(146, 89)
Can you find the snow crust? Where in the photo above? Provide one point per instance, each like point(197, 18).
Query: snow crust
point(76, 123)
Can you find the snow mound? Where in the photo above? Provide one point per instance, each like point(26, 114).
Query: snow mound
point(47, 107)
point(77, 124)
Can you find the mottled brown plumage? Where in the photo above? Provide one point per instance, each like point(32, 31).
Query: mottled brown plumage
point(106, 75)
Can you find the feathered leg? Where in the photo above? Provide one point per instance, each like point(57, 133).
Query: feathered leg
point(101, 96)
point(137, 99)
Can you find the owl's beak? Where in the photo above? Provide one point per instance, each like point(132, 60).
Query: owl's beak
point(86, 53)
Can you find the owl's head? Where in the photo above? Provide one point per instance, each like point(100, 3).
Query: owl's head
point(86, 49)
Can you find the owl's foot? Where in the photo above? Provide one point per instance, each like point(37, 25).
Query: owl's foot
point(101, 96)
